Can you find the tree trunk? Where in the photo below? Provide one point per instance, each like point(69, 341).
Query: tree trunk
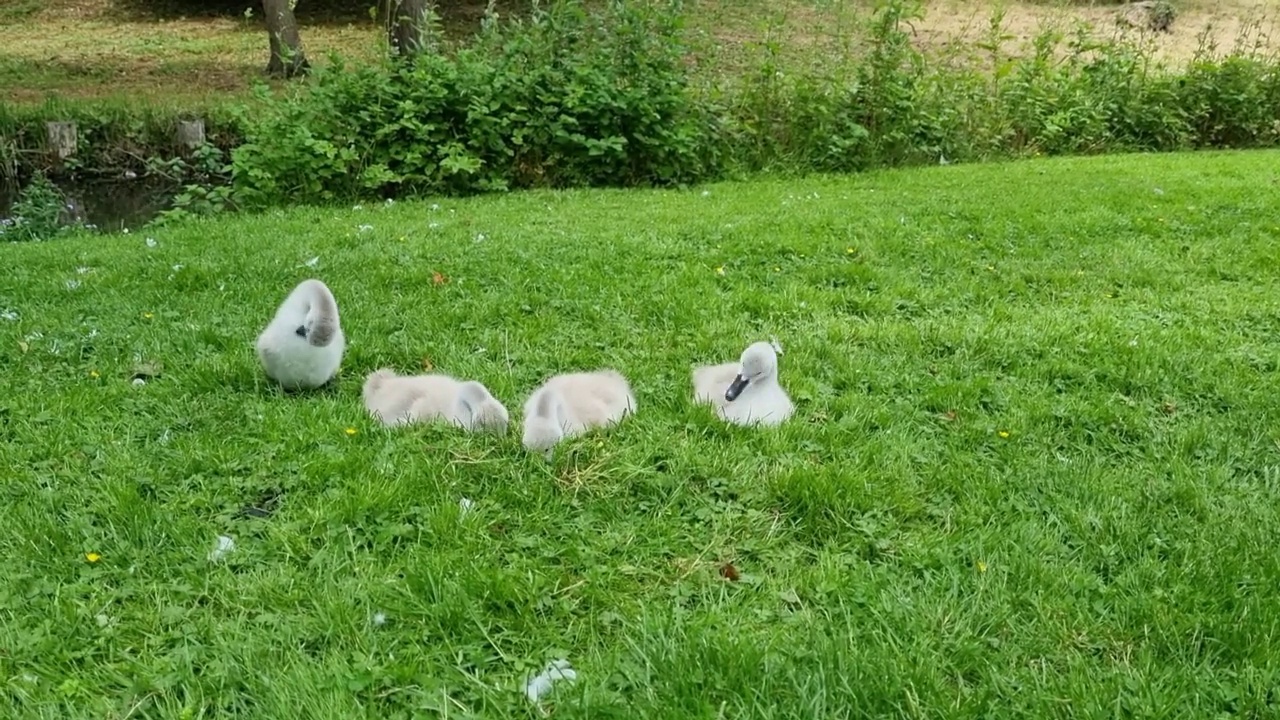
point(287, 59)
point(405, 26)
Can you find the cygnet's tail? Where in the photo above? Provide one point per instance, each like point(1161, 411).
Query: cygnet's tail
point(322, 312)
point(483, 408)
point(542, 427)
point(375, 381)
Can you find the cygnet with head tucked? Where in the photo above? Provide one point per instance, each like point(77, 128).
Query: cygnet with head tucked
point(301, 348)
point(573, 403)
point(404, 399)
point(746, 392)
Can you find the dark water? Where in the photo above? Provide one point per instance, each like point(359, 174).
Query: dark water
point(108, 205)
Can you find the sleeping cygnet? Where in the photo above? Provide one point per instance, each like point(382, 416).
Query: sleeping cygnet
point(404, 399)
point(746, 392)
point(573, 403)
point(302, 346)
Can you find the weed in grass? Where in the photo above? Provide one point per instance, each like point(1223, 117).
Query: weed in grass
point(1032, 470)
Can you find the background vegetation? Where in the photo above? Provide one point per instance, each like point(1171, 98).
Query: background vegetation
point(576, 93)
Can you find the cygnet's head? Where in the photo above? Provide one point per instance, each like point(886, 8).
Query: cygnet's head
point(543, 427)
point(759, 364)
point(541, 434)
point(479, 410)
point(316, 331)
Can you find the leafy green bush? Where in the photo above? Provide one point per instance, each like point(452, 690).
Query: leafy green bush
point(569, 97)
point(564, 98)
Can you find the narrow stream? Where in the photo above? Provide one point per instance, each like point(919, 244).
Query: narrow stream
point(108, 205)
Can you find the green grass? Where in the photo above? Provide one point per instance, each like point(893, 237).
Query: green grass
point(1033, 472)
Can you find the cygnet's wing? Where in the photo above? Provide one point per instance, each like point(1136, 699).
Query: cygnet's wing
point(387, 397)
point(596, 398)
point(436, 398)
point(417, 398)
point(711, 381)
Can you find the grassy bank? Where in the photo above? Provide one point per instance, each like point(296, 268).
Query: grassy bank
point(1032, 472)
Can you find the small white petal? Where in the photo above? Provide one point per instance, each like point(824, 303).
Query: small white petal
point(379, 618)
point(151, 242)
point(139, 382)
point(540, 684)
point(223, 546)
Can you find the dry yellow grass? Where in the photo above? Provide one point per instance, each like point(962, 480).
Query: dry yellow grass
point(76, 49)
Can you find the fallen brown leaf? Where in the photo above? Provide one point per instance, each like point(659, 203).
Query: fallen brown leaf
point(427, 364)
point(729, 572)
point(438, 279)
point(949, 415)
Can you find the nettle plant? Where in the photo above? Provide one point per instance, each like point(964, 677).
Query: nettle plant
point(39, 213)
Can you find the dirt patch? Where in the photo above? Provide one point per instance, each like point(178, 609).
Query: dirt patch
point(1221, 25)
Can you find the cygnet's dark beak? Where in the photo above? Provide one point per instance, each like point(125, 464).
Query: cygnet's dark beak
point(736, 387)
point(301, 331)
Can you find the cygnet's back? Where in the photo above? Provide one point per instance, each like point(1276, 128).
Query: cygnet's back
point(400, 400)
point(573, 403)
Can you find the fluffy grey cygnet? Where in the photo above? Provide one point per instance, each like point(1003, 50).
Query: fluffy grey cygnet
point(404, 399)
point(746, 392)
point(573, 403)
point(301, 348)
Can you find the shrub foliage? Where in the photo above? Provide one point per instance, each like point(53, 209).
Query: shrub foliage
point(607, 97)
point(564, 98)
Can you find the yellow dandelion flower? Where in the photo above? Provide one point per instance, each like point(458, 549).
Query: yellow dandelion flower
point(777, 269)
point(720, 270)
point(1003, 433)
point(148, 315)
point(351, 431)
point(93, 373)
point(92, 557)
point(982, 567)
point(848, 251)
point(991, 268)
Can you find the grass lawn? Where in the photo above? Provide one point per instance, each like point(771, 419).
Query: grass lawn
point(1033, 471)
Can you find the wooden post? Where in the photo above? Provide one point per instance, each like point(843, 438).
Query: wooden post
point(190, 134)
point(62, 138)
